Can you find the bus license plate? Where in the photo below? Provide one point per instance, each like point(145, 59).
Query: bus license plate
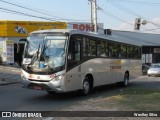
point(37, 87)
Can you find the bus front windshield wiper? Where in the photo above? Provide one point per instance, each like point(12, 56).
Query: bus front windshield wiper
point(38, 50)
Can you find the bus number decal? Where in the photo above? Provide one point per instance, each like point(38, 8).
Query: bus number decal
point(115, 67)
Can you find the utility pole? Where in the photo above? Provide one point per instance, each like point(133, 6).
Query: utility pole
point(95, 16)
point(91, 8)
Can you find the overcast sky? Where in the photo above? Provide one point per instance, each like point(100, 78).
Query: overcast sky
point(115, 14)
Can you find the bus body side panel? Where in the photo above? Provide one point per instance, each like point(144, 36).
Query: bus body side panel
point(135, 68)
point(103, 70)
point(95, 67)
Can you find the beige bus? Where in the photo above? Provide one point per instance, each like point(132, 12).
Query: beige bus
point(69, 60)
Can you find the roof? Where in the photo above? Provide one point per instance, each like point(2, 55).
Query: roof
point(135, 38)
point(93, 34)
point(144, 39)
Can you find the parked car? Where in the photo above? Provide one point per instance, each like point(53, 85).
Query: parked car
point(154, 70)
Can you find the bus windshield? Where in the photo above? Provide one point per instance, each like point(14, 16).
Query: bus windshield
point(44, 53)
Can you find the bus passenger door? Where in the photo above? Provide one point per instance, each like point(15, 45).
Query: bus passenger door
point(73, 65)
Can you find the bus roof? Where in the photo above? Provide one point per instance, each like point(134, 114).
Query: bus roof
point(115, 38)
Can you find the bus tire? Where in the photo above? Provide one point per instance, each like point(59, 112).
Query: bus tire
point(125, 81)
point(51, 92)
point(86, 88)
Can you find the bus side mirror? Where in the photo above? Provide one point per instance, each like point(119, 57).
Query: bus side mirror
point(18, 48)
point(18, 44)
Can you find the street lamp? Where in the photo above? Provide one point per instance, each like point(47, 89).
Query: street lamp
point(144, 22)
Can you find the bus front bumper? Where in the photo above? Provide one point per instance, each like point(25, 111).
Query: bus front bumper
point(52, 85)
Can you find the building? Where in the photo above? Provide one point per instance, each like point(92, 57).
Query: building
point(150, 44)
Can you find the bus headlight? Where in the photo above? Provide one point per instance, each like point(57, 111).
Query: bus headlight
point(22, 76)
point(59, 77)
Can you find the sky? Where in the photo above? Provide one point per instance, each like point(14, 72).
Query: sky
point(115, 14)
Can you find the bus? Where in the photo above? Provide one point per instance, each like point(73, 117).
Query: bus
point(69, 60)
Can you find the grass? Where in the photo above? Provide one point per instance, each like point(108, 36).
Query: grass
point(138, 99)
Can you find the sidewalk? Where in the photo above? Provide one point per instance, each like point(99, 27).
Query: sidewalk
point(9, 75)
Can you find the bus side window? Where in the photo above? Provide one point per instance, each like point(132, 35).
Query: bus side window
point(110, 50)
point(77, 51)
point(123, 51)
point(74, 51)
point(130, 52)
point(70, 51)
point(137, 52)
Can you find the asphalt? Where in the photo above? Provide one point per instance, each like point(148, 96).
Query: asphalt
point(9, 75)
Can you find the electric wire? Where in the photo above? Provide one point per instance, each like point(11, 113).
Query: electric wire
point(51, 19)
point(25, 14)
point(33, 10)
point(133, 13)
point(139, 2)
point(119, 6)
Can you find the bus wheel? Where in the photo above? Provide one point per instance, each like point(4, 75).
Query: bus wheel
point(126, 80)
point(51, 92)
point(86, 86)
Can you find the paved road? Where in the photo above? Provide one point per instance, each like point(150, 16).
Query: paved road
point(146, 82)
point(15, 98)
point(9, 75)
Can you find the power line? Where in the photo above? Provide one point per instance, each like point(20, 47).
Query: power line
point(107, 13)
point(23, 7)
point(131, 12)
point(139, 2)
point(125, 9)
point(25, 14)
point(33, 10)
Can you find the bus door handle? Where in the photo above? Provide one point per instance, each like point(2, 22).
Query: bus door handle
point(79, 68)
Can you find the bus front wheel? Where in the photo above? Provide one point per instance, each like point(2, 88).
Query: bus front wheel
point(86, 86)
